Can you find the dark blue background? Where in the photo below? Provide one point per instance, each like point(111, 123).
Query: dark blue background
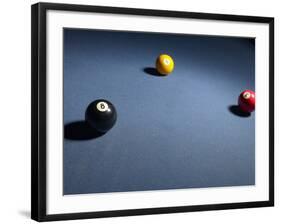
point(179, 131)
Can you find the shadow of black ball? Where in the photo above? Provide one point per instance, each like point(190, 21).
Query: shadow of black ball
point(80, 130)
point(234, 109)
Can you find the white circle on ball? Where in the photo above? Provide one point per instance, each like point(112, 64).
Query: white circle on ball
point(102, 106)
point(247, 95)
point(166, 61)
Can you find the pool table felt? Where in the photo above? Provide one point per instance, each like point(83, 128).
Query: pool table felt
point(178, 131)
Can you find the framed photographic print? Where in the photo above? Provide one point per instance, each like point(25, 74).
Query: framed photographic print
point(138, 111)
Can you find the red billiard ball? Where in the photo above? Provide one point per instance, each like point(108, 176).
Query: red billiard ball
point(247, 101)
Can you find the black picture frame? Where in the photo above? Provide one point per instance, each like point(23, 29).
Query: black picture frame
point(39, 124)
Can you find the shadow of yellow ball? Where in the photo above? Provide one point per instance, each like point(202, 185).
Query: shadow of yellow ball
point(164, 64)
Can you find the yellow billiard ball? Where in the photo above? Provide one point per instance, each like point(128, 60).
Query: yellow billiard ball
point(164, 64)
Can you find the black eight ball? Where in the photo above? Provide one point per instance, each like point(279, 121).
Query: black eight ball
point(101, 115)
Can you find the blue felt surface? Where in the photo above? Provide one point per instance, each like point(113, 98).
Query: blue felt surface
point(172, 132)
